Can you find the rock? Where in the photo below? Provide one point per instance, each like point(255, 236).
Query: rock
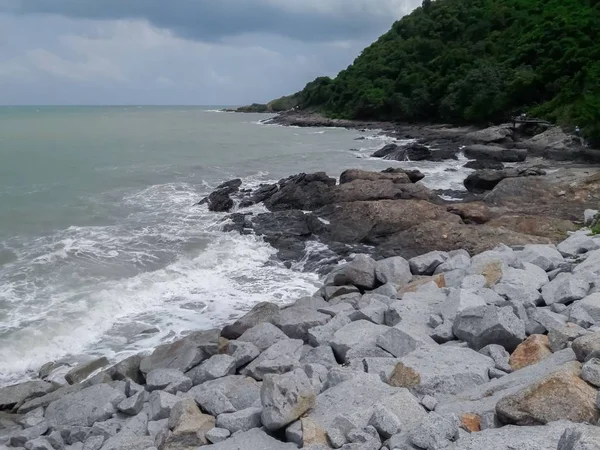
point(242, 420)
point(226, 395)
point(413, 174)
point(490, 152)
point(429, 402)
point(93, 443)
point(183, 354)
point(332, 292)
point(189, 426)
point(590, 371)
point(297, 320)
point(285, 398)
point(82, 371)
point(261, 312)
point(263, 335)
point(579, 316)
point(359, 335)
point(552, 228)
point(319, 336)
point(384, 421)
point(395, 270)
point(38, 444)
point(489, 325)
point(217, 435)
point(577, 243)
point(435, 432)
point(427, 263)
point(351, 175)
point(563, 337)
point(161, 378)
point(548, 319)
point(590, 267)
point(499, 355)
point(401, 340)
point(565, 288)
point(561, 395)
point(547, 257)
point(458, 259)
point(580, 439)
point(484, 164)
point(281, 357)
point(216, 366)
point(441, 371)
point(133, 405)
point(531, 351)
point(84, 408)
point(587, 346)
point(460, 300)
point(591, 305)
point(128, 368)
point(18, 393)
point(360, 273)
point(21, 437)
point(126, 440)
point(470, 423)
point(253, 439)
point(161, 404)
point(313, 303)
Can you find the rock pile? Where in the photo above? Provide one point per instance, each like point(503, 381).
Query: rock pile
point(499, 351)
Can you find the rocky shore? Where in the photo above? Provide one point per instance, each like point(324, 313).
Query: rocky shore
point(446, 350)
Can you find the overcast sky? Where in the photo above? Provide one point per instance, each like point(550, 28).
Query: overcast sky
point(219, 52)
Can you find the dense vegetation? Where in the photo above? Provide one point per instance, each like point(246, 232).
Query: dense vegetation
point(475, 61)
point(278, 105)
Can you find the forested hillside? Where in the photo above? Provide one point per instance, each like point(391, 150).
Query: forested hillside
point(475, 61)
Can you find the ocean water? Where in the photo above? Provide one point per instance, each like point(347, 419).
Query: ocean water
point(102, 249)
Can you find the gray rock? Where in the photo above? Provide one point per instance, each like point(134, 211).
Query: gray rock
point(132, 406)
point(18, 393)
point(184, 353)
point(189, 426)
point(32, 418)
point(523, 295)
point(559, 308)
point(138, 425)
point(93, 443)
point(263, 335)
point(547, 257)
point(496, 373)
point(261, 312)
point(216, 366)
point(84, 408)
point(395, 270)
point(242, 352)
point(548, 319)
point(360, 273)
point(401, 340)
point(473, 282)
point(351, 299)
point(576, 244)
point(499, 355)
point(161, 404)
point(254, 439)
point(105, 429)
point(217, 435)
point(332, 292)
point(591, 304)
point(374, 311)
point(293, 433)
point(320, 355)
point(384, 421)
point(435, 431)
point(313, 303)
point(317, 374)
point(415, 308)
point(491, 297)
point(589, 215)
point(565, 288)
point(161, 378)
point(156, 426)
point(21, 437)
point(125, 440)
point(435, 320)
point(242, 420)
point(458, 260)
point(460, 300)
point(489, 325)
point(590, 371)
point(562, 337)
point(334, 310)
point(281, 357)
point(427, 263)
point(322, 335)
point(83, 371)
point(429, 402)
point(358, 335)
point(297, 320)
point(579, 316)
point(127, 369)
point(581, 438)
point(442, 371)
point(238, 391)
point(56, 440)
point(285, 398)
point(591, 265)
point(39, 444)
point(387, 290)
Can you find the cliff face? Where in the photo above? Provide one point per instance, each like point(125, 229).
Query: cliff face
point(475, 61)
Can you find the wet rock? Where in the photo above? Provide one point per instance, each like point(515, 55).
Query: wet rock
point(562, 395)
point(82, 371)
point(261, 312)
point(531, 351)
point(351, 175)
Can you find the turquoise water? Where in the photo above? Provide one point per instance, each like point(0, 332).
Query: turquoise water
point(99, 236)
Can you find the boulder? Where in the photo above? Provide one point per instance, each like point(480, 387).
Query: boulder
point(84, 408)
point(490, 152)
point(360, 273)
point(242, 420)
point(161, 404)
point(484, 164)
point(577, 244)
point(501, 133)
point(216, 366)
point(414, 174)
point(297, 320)
point(590, 371)
point(563, 337)
point(587, 438)
point(500, 356)
point(281, 357)
point(83, 371)
point(565, 288)
point(133, 405)
point(357, 174)
point(562, 395)
point(359, 335)
point(415, 308)
point(331, 292)
point(252, 439)
point(183, 354)
point(591, 265)
point(18, 393)
point(427, 263)
point(552, 228)
point(263, 335)
point(547, 257)
point(163, 378)
point(435, 432)
point(457, 260)
point(591, 305)
point(460, 300)
point(217, 435)
point(219, 200)
point(285, 398)
point(242, 352)
point(489, 325)
point(531, 351)
point(384, 421)
point(127, 440)
point(323, 334)
point(441, 371)
point(395, 270)
point(302, 192)
point(261, 312)
point(188, 426)
point(226, 395)
point(128, 368)
point(587, 346)
point(402, 340)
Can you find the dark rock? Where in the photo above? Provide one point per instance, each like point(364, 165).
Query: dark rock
point(483, 164)
point(220, 200)
point(414, 175)
point(385, 151)
point(302, 191)
point(263, 192)
point(262, 312)
point(488, 152)
point(487, 180)
point(356, 174)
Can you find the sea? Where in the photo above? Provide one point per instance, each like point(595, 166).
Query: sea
point(103, 250)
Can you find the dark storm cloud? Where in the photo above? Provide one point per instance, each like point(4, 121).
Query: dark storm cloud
point(212, 20)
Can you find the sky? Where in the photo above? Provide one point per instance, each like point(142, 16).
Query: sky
point(204, 52)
